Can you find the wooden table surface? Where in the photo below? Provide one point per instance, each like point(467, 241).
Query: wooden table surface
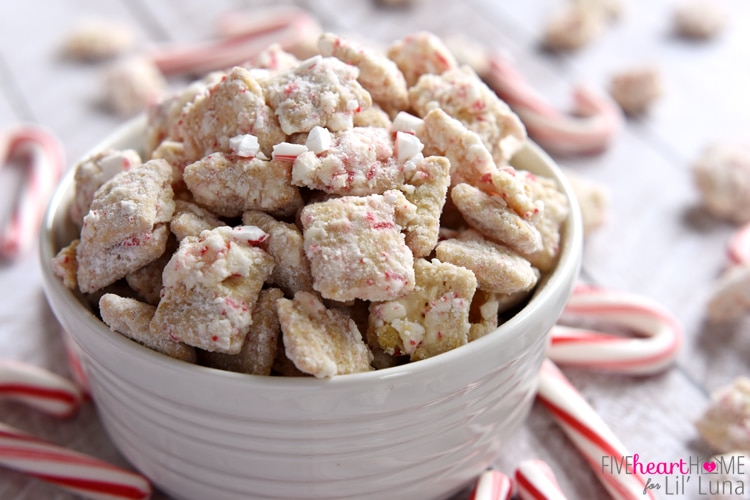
point(657, 240)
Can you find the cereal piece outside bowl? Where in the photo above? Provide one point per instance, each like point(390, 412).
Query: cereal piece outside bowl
point(425, 429)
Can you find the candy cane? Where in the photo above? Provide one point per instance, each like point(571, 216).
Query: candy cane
point(590, 435)
point(536, 481)
point(492, 485)
point(595, 121)
point(246, 41)
point(237, 23)
point(43, 160)
point(739, 246)
point(589, 348)
point(38, 388)
point(71, 470)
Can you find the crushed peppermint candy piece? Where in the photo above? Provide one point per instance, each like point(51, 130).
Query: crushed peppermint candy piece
point(310, 63)
point(245, 145)
point(407, 122)
point(407, 146)
point(249, 235)
point(287, 151)
point(318, 140)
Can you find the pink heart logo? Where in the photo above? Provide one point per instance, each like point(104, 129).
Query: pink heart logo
point(709, 466)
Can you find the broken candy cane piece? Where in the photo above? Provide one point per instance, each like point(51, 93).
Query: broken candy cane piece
point(249, 235)
point(406, 122)
point(739, 246)
point(318, 140)
point(588, 432)
point(536, 481)
point(43, 159)
point(287, 151)
point(407, 146)
point(38, 388)
point(653, 352)
point(245, 145)
point(82, 474)
point(492, 485)
point(595, 121)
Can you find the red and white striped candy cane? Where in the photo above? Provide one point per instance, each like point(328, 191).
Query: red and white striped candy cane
point(588, 432)
point(492, 485)
point(38, 388)
point(43, 158)
point(739, 246)
point(595, 121)
point(654, 351)
point(247, 38)
point(71, 470)
point(536, 481)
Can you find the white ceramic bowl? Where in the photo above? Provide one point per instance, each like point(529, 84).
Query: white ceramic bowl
point(421, 430)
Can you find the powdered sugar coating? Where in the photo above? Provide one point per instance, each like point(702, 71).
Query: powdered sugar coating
point(229, 185)
point(593, 200)
point(259, 349)
point(164, 116)
point(463, 96)
point(356, 248)
point(64, 265)
point(273, 58)
point(235, 105)
point(372, 117)
point(492, 217)
point(556, 209)
point(96, 39)
point(379, 75)
point(420, 54)
point(285, 244)
point(725, 425)
point(443, 135)
point(573, 27)
point(133, 84)
point(497, 268)
point(636, 89)
point(730, 298)
point(483, 314)
point(516, 190)
point(146, 281)
point(699, 19)
point(360, 161)
point(92, 172)
point(374, 205)
point(722, 174)
point(132, 318)
point(191, 220)
point(321, 342)
point(210, 287)
point(429, 183)
point(124, 229)
point(173, 152)
point(321, 91)
point(431, 319)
